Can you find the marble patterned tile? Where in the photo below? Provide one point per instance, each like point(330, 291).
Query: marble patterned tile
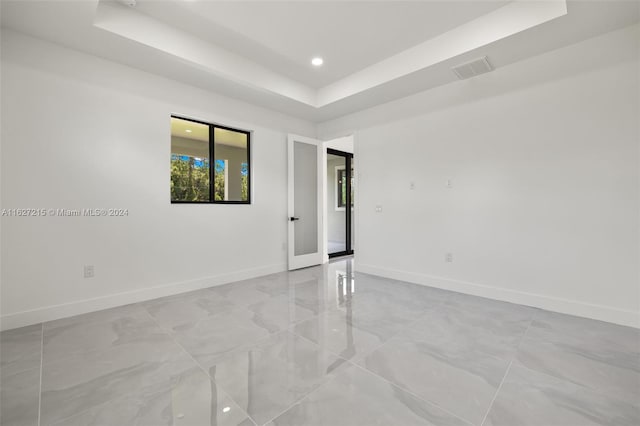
point(286, 283)
point(380, 316)
point(586, 352)
point(213, 337)
point(102, 330)
point(20, 349)
point(187, 399)
point(359, 398)
point(173, 311)
point(425, 356)
point(19, 398)
point(412, 297)
point(588, 333)
point(589, 329)
point(270, 376)
point(279, 313)
point(306, 274)
point(494, 328)
point(275, 284)
point(336, 332)
point(529, 398)
point(314, 295)
point(104, 315)
point(84, 380)
point(244, 293)
point(462, 383)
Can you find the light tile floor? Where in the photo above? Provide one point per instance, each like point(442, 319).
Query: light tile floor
point(321, 346)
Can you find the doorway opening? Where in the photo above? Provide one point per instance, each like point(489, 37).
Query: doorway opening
point(340, 202)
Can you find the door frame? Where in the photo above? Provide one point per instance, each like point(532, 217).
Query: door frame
point(311, 259)
point(348, 211)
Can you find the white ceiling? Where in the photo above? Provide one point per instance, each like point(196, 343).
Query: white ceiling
point(349, 36)
point(260, 51)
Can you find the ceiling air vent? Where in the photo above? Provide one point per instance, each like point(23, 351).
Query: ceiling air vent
point(472, 68)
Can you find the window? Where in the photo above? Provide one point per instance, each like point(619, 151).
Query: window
point(341, 187)
point(195, 177)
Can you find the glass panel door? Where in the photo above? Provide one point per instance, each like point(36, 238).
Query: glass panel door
point(306, 198)
point(305, 202)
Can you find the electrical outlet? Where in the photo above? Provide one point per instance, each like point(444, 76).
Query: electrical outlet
point(448, 257)
point(88, 271)
point(378, 209)
point(412, 185)
point(449, 183)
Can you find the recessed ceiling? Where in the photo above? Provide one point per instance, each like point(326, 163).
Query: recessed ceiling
point(285, 35)
point(260, 52)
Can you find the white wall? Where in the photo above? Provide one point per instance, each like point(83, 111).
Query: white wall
point(543, 156)
point(544, 160)
point(344, 144)
point(80, 132)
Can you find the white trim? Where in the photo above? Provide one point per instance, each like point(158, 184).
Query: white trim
point(325, 205)
point(556, 304)
point(50, 313)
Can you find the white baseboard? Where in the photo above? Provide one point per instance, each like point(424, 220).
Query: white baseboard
point(549, 303)
point(50, 313)
point(571, 307)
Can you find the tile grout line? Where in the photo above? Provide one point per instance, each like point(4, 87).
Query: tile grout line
point(297, 401)
point(362, 356)
point(513, 358)
point(302, 398)
point(352, 362)
point(495, 395)
point(403, 329)
point(546, 374)
point(41, 367)
point(524, 335)
point(59, 422)
point(366, 370)
point(196, 363)
point(443, 302)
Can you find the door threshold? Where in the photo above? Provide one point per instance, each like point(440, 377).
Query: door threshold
point(341, 257)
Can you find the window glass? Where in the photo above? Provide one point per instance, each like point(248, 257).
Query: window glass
point(197, 179)
point(189, 161)
point(341, 180)
point(231, 165)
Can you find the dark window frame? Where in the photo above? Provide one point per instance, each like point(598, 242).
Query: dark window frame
point(212, 143)
point(347, 211)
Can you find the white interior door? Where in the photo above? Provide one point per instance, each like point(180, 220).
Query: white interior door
point(306, 197)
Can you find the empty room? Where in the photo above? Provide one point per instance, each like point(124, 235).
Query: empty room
point(323, 213)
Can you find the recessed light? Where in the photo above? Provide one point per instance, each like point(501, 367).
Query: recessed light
point(188, 130)
point(317, 61)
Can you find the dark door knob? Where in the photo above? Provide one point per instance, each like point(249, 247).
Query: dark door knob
point(293, 218)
